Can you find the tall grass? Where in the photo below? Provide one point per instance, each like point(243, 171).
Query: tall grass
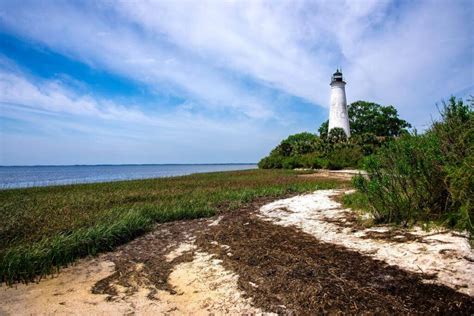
point(426, 177)
point(46, 228)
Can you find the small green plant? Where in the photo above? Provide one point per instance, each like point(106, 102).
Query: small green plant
point(356, 201)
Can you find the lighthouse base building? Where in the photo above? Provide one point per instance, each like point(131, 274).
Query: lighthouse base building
point(338, 116)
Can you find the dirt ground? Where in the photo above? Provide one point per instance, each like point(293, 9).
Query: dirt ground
point(235, 263)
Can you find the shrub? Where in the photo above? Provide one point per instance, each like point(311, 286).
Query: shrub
point(271, 162)
point(368, 142)
point(337, 135)
point(344, 156)
point(313, 161)
point(455, 132)
point(292, 162)
point(298, 144)
point(405, 180)
point(426, 177)
point(290, 152)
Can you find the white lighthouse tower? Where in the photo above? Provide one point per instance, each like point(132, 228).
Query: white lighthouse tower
point(338, 116)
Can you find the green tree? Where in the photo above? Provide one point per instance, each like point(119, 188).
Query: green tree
point(371, 118)
point(298, 144)
point(323, 129)
point(368, 117)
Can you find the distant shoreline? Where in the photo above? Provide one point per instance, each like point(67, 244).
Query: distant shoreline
point(136, 164)
point(12, 177)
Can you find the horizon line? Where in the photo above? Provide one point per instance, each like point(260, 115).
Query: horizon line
point(134, 164)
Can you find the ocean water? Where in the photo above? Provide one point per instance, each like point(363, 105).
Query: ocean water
point(34, 176)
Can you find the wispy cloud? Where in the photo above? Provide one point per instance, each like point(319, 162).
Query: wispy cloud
point(85, 129)
point(237, 63)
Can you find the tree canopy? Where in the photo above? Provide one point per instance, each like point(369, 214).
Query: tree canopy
point(297, 144)
point(368, 117)
point(372, 118)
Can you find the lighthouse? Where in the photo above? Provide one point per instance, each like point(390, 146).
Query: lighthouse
point(338, 116)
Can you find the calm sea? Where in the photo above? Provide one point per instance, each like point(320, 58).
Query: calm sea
point(21, 177)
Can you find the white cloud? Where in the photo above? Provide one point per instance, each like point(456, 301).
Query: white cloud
point(202, 49)
point(133, 54)
point(17, 90)
point(66, 128)
point(242, 56)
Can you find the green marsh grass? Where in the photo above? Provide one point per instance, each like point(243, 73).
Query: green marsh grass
point(45, 228)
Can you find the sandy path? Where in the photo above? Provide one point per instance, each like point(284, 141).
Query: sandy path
point(68, 293)
point(444, 255)
point(201, 286)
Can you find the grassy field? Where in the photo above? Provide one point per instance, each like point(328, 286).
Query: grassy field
point(49, 227)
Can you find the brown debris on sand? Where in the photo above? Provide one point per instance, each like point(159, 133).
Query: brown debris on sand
point(287, 271)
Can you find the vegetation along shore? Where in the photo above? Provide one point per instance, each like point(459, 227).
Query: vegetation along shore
point(49, 227)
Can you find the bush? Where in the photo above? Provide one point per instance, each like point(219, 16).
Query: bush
point(298, 144)
point(313, 161)
point(291, 162)
point(344, 156)
point(405, 181)
point(426, 177)
point(271, 162)
point(455, 132)
point(290, 153)
point(368, 142)
point(337, 135)
point(306, 150)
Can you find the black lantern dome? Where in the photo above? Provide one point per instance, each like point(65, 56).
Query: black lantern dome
point(337, 76)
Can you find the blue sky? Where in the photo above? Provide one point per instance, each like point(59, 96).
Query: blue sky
point(91, 82)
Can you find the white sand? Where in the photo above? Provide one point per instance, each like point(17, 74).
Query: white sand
point(203, 287)
point(180, 250)
point(445, 254)
point(68, 293)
